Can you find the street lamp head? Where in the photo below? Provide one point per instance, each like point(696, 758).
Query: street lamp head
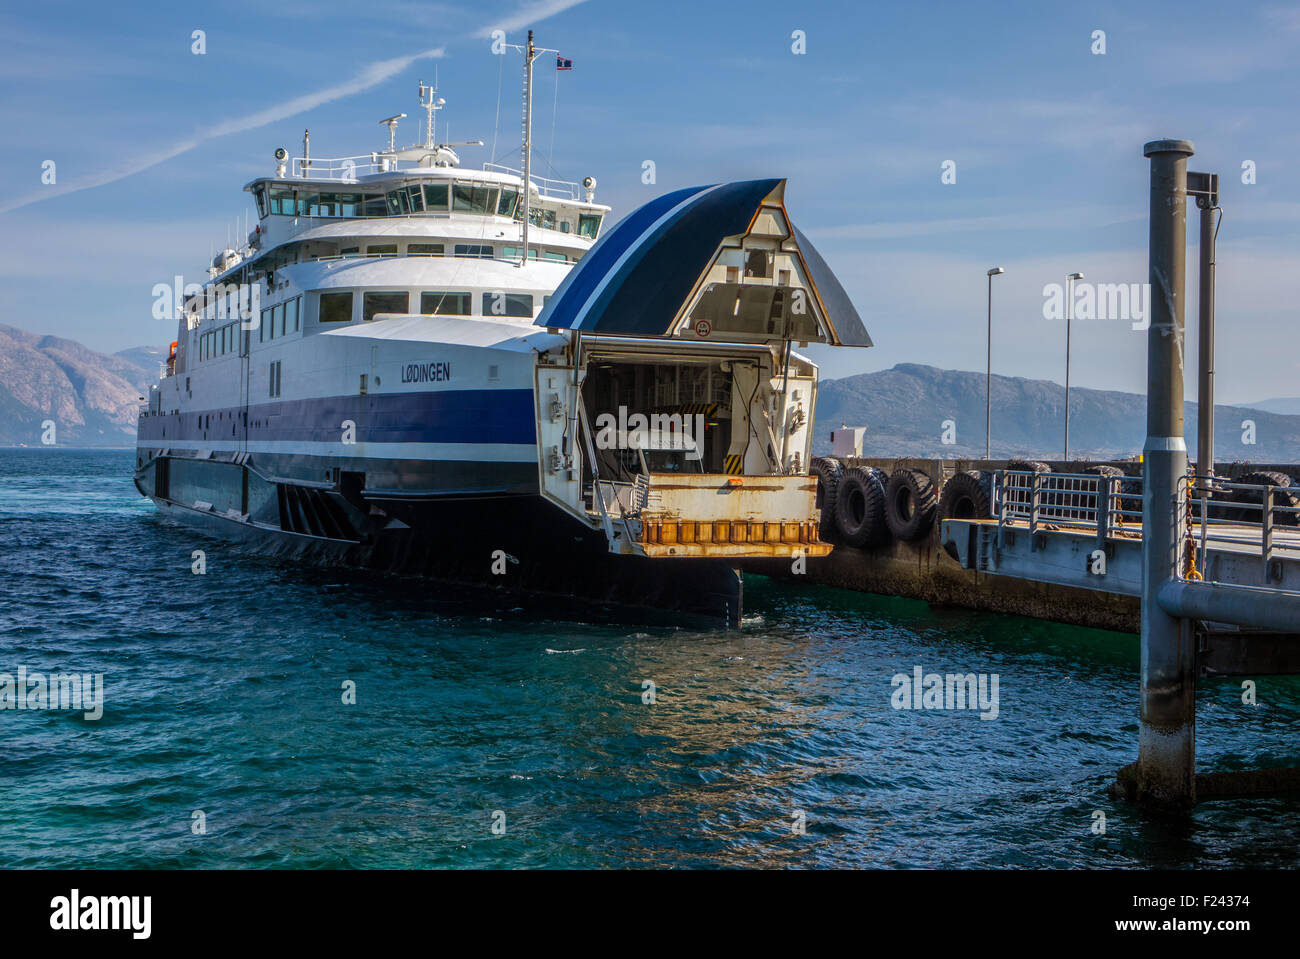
point(1075, 276)
point(996, 270)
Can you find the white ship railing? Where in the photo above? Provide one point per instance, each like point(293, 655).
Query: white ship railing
point(547, 187)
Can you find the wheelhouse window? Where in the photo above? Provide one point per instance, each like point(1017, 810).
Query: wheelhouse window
point(543, 218)
point(282, 202)
point(336, 307)
point(259, 194)
point(375, 205)
point(509, 200)
point(473, 249)
point(435, 197)
point(373, 303)
point(438, 303)
point(497, 303)
point(473, 198)
point(350, 204)
point(424, 249)
point(589, 225)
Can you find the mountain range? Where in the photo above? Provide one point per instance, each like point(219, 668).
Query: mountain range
point(909, 410)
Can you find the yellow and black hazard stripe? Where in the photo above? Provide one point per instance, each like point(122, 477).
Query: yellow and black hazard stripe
point(733, 464)
point(689, 409)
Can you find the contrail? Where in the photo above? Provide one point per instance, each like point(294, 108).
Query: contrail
point(529, 13)
point(372, 75)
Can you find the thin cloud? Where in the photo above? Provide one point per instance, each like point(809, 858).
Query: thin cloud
point(529, 13)
point(371, 76)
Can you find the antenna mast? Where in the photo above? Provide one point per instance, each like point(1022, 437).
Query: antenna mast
point(530, 54)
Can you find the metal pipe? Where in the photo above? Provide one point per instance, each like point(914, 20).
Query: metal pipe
point(1205, 377)
point(1254, 606)
point(1167, 736)
point(988, 382)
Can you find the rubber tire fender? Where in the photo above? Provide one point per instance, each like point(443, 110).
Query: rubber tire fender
point(910, 504)
point(965, 496)
point(829, 472)
point(860, 507)
point(1269, 478)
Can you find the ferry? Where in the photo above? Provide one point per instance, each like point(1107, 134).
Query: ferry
point(464, 375)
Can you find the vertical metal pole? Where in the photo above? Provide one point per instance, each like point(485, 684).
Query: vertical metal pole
point(1068, 297)
point(1167, 737)
point(1205, 378)
point(528, 141)
point(988, 387)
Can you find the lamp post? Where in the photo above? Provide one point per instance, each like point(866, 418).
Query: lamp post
point(988, 382)
point(1069, 301)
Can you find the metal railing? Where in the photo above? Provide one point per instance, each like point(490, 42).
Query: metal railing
point(546, 187)
point(1241, 517)
point(1105, 505)
point(1245, 518)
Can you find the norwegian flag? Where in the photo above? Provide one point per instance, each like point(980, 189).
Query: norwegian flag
point(562, 63)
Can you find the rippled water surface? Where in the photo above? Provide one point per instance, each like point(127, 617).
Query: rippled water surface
point(224, 695)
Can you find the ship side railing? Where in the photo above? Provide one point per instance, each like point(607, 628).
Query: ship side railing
point(547, 187)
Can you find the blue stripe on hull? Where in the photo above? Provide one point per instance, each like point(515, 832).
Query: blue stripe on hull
point(442, 416)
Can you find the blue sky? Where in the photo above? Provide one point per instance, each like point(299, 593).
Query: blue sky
point(1046, 137)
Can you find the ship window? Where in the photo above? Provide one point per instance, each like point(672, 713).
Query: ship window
point(497, 303)
point(435, 197)
point(413, 198)
point(277, 319)
point(398, 203)
point(291, 314)
point(282, 202)
point(372, 303)
point(382, 249)
point(542, 217)
point(473, 249)
point(565, 226)
point(259, 194)
point(553, 255)
point(350, 204)
point(336, 307)
point(589, 225)
point(376, 205)
point(473, 198)
point(511, 252)
point(509, 200)
point(424, 249)
point(263, 333)
point(350, 251)
point(308, 204)
point(444, 304)
point(329, 205)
